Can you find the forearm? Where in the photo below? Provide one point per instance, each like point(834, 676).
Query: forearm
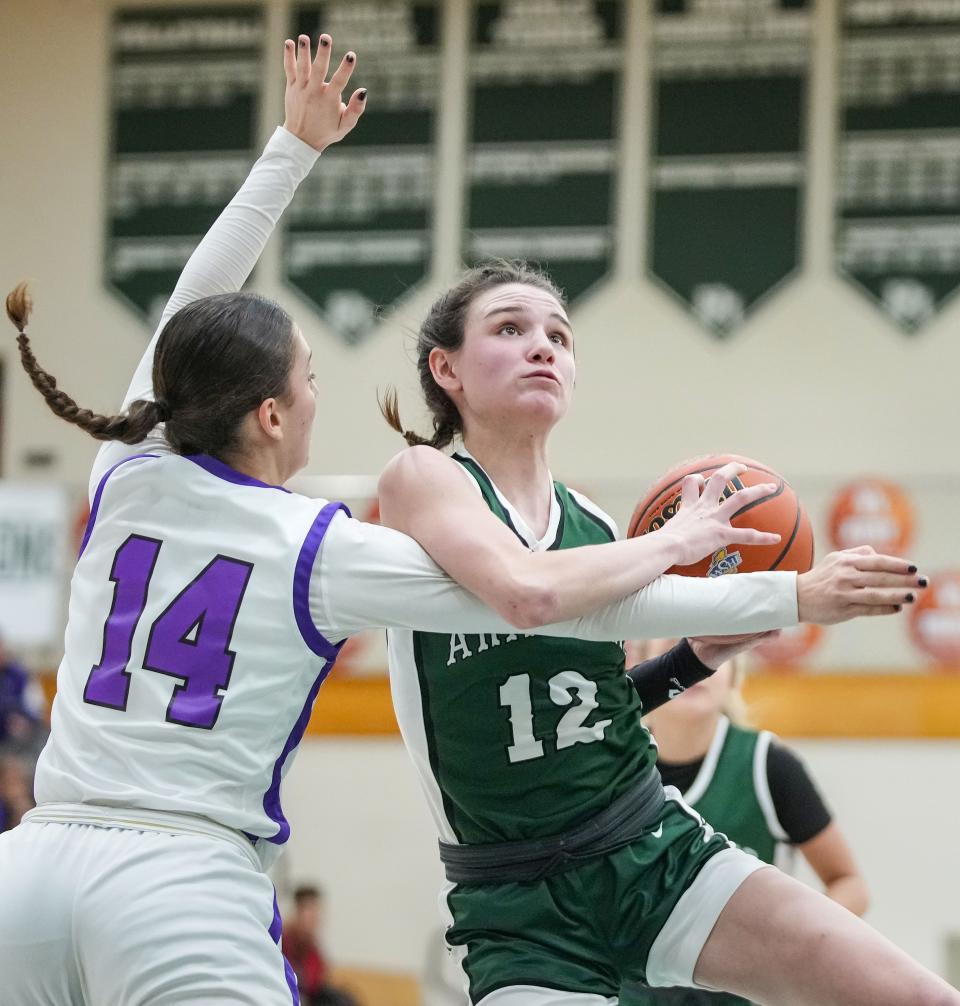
point(228, 252)
point(667, 675)
point(851, 892)
point(565, 583)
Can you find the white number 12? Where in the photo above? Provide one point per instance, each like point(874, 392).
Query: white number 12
point(515, 696)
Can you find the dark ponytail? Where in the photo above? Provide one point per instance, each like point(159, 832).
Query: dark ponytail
point(130, 428)
point(216, 360)
point(443, 328)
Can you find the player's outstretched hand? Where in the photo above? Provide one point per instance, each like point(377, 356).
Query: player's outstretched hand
point(854, 582)
point(701, 525)
point(313, 106)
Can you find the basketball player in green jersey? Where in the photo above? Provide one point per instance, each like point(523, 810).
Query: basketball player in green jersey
point(749, 786)
point(570, 871)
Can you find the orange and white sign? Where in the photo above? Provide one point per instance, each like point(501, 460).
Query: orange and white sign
point(792, 645)
point(872, 512)
point(934, 620)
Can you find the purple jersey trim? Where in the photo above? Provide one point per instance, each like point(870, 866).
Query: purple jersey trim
point(216, 467)
point(95, 506)
point(301, 583)
point(276, 931)
point(319, 644)
point(271, 799)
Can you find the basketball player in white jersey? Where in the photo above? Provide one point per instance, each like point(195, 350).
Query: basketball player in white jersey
point(208, 604)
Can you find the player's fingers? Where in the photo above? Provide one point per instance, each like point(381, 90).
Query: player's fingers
point(690, 489)
point(904, 581)
point(859, 610)
point(303, 59)
point(321, 62)
point(737, 502)
point(879, 563)
point(724, 474)
point(882, 596)
point(750, 536)
point(342, 73)
point(353, 110)
point(290, 60)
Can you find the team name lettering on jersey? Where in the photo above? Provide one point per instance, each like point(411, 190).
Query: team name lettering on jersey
point(460, 648)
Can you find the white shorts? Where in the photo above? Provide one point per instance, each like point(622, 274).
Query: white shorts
point(117, 916)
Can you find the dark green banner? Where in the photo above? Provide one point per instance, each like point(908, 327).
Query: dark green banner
point(728, 151)
point(184, 102)
point(898, 185)
point(358, 233)
point(542, 158)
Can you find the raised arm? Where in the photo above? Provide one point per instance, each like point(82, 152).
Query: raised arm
point(315, 117)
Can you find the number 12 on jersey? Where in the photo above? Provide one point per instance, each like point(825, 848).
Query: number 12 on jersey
point(515, 696)
point(190, 639)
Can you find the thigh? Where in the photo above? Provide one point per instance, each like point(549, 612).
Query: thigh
point(38, 869)
point(671, 886)
point(168, 920)
point(778, 941)
point(541, 935)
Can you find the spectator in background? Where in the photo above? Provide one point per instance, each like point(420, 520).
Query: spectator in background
point(16, 792)
point(301, 947)
point(21, 709)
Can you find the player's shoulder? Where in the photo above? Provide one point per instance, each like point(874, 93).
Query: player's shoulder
point(416, 470)
point(587, 509)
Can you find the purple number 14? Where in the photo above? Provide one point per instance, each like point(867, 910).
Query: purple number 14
point(189, 640)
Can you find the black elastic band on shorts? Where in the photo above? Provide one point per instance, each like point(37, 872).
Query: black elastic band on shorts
point(628, 818)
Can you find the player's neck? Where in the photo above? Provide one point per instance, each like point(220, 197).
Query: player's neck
point(518, 466)
point(680, 740)
point(263, 466)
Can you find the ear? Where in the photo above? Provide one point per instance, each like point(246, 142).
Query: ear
point(444, 370)
point(269, 419)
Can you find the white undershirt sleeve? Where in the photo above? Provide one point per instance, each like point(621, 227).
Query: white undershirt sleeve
point(366, 576)
point(221, 263)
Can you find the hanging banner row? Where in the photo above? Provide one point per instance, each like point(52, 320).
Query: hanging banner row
point(728, 149)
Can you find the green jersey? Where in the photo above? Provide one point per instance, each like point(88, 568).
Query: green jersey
point(519, 736)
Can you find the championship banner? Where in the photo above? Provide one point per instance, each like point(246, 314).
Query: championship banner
point(898, 190)
point(183, 112)
point(358, 234)
point(728, 151)
point(542, 156)
point(34, 529)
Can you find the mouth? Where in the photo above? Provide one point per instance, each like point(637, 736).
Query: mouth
point(548, 375)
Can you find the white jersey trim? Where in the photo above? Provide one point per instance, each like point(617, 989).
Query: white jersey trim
point(709, 766)
point(761, 786)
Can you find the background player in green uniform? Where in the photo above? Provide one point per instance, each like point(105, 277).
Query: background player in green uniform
point(569, 872)
point(752, 788)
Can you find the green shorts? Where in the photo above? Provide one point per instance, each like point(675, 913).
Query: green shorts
point(639, 914)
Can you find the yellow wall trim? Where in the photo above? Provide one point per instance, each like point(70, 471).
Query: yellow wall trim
point(791, 704)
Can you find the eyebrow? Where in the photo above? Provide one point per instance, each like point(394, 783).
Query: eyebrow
point(520, 309)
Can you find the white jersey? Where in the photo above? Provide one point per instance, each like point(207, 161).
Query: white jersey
point(192, 660)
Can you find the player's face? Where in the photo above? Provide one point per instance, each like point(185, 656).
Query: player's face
point(516, 364)
point(301, 406)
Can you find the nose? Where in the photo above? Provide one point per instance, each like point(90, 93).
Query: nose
point(541, 348)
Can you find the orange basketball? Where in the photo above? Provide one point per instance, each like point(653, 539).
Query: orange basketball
point(781, 512)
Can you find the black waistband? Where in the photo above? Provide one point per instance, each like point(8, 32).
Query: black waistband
point(628, 818)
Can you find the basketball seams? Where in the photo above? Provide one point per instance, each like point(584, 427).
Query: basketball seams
point(793, 536)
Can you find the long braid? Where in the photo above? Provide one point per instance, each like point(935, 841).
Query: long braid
point(130, 428)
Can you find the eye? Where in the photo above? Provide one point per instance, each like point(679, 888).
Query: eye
point(508, 329)
point(559, 337)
